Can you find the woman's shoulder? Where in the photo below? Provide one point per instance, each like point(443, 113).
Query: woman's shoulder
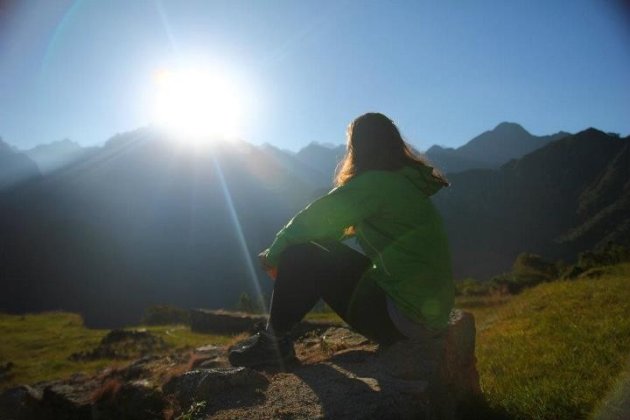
point(384, 176)
point(378, 174)
point(378, 180)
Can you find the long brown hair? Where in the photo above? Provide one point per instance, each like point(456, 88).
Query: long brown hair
point(375, 143)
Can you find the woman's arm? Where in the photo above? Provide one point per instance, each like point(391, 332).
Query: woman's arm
point(328, 217)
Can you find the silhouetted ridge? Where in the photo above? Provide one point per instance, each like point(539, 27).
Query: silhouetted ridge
point(15, 167)
point(323, 158)
point(57, 155)
point(490, 149)
point(145, 220)
point(529, 204)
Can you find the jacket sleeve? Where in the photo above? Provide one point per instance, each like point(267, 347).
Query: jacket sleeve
point(327, 217)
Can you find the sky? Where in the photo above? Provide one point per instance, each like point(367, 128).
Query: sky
point(444, 71)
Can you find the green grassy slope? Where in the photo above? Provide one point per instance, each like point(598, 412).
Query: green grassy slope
point(557, 350)
point(39, 345)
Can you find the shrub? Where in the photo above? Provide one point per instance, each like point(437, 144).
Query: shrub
point(247, 304)
point(610, 254)
point(473, 287)
point(165, 315)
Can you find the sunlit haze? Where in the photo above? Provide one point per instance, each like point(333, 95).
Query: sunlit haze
point(197, 104)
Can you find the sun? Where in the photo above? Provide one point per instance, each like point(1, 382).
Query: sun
point(196, 105)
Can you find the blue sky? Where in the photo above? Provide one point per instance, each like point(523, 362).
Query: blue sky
point(443, 70)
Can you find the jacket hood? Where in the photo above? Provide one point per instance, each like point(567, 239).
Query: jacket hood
point(424, 178)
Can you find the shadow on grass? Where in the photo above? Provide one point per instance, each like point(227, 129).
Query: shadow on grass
point(479, 408)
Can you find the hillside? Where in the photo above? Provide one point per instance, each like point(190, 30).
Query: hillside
point(15, 167)
point(323, 158)
point(558, 350)
point(557, 201)
point(145, 221)
point(57, 155)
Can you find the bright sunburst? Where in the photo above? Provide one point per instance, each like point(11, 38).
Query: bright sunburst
point(197, 105)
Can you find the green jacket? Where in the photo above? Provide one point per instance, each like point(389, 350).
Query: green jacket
point(398, 228)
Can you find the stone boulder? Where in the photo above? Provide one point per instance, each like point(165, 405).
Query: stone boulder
point(22, 402)
point(136, 400)
point(223, 322)
point(123, 344)
point(341, 374)
point(208, 385)
point(228, 322)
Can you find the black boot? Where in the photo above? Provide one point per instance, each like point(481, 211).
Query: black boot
point(262, 349)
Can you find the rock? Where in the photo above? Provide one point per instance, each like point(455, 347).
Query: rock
point(228, 322)
point(21, 403)
point(123, 344)
point(208, 357)
point(213, 363)
point(138, 368)
point(316, 347)
point(210, 350)
point(67, 401)
point(352, 378)
point(351, 384)
point(203, 385)
point(223, 322)
point(447, 361)
point(131, 401)
point(5, 370)
point(208, 362)
point(452, 352)
point(459, 364)
point(312, 327)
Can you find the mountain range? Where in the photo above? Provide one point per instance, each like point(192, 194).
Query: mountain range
point(144, 220)
point(57, 155)
point(490, 149)
point(15, 167)
point(566, 197)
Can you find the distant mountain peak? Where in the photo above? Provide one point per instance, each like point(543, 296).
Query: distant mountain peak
point(63, 144)
point(57, 154)
point(510, 126)
point(15, 167)
point(592, 131)
point(490, 149)
point(435, 149)
point(321, 145)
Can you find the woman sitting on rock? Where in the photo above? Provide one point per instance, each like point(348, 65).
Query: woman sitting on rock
point(400, 284)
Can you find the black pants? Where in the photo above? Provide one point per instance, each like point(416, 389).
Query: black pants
point(332, 272)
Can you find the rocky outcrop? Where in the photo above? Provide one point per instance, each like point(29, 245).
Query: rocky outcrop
point(343, 375)
point(123, 344)
point(223, 322)
point(340, 374)
point(212, 384)
point(228, 322)
point(133, 400)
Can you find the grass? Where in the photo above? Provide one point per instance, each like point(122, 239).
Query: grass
point(39, 345)
point(324, 317)
point(557, 350)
